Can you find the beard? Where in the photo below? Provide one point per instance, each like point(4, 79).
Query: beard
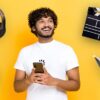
point(40, 34)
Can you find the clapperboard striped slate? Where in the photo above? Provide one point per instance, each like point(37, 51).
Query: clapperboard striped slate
point(92, 24)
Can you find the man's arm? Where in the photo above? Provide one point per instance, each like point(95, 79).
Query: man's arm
point(22, 81)
point(73, 82)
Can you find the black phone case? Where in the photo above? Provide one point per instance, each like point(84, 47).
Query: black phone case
point(38, 67)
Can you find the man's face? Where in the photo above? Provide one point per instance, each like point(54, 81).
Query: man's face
point(44, 27)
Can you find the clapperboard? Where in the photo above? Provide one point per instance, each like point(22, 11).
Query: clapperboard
point(92, 24)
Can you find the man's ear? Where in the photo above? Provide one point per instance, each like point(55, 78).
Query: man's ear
point(33, 29)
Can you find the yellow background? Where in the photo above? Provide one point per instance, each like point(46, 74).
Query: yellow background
point(71, 17)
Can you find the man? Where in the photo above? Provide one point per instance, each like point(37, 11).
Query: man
point(59, 60)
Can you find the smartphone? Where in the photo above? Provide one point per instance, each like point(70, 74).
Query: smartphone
point(38, 67)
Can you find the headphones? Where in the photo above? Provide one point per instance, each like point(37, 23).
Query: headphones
point(2, 23)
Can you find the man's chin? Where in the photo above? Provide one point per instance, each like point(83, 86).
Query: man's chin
point(45, 35)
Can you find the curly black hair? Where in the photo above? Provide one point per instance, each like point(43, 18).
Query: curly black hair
point(35, 15)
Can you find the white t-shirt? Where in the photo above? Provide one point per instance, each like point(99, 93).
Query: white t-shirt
point(58, 59)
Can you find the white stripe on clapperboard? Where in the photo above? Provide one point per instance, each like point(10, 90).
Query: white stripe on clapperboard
point(92, 29)
point(92, 26)
point(93, 33)
point(94, 18)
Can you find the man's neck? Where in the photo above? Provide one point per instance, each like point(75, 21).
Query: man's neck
point(45, 40)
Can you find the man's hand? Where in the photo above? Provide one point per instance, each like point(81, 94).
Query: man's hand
point(72, 84)
point(45, 78)
point(31, 78)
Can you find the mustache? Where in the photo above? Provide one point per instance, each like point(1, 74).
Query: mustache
point(46, 27)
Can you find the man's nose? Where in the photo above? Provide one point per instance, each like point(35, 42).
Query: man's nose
point(46, 24)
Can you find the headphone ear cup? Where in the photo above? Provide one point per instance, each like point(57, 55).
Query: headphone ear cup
point(2, 24)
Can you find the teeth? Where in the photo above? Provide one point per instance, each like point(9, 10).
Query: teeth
point(46, 29)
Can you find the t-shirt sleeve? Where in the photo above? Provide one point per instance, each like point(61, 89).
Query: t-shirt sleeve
point(20, 61)
point(72, 60)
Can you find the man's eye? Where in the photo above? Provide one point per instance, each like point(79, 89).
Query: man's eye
point(41, 21)
point(50, 20)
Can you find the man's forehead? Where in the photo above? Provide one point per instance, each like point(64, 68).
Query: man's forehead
point(45, 17)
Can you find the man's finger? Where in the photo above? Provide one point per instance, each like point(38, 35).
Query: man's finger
point(45, 71)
